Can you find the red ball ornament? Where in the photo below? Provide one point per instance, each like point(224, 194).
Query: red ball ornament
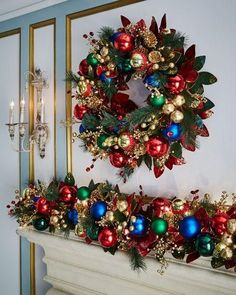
point(176, 84)
point(43, 206)
point(124, 42)
point(107, 237)
point(161, 206)
point(68, 194)
point(83, 68)
point(80, 111)
point(118, 159)
point(157, 147)
point(219, 223)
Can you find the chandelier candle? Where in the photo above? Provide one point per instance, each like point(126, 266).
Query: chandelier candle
point(11, 113)
point(22, 110)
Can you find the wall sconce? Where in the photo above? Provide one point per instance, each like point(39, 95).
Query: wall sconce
point(39, 136)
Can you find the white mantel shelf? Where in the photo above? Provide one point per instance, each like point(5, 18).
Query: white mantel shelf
point(73, 267)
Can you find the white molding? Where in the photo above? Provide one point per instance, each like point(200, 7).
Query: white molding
point(73, 267)
point(29, 8)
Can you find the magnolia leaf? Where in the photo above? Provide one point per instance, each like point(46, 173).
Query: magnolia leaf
point(199, 62)
point(148, 161)
point(207, 78)
point(176, 150)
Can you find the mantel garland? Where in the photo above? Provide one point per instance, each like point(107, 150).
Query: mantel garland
point(171, 117)
point(186, 228)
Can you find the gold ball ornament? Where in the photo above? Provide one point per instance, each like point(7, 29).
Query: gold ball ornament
point(79, 230)
point(178, 204)
point(104, 51)
point(227, 239)
point(177, 116)
point(231, 226)
point(146, 138)
point(179, 100)
point(109, 216)
point(124, 141)
point(133, 219)
point(227, 253)
point(54, 220)
point(81, 88)
point(219, 247)
point(122, 205)
point(168, 108)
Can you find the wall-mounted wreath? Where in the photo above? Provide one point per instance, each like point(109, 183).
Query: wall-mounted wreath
point(171, 117)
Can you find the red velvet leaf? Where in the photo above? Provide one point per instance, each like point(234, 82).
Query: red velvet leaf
point(163, 22)
point(125, 21)
point(192, 256)
point(229, 264)
point(190, 52)
point(189, 147)
point(202, 216)
point(203, 131)
point(88, 240)
point(154, 27)
point(141, 24)
point(158, 171)
point(169, 163)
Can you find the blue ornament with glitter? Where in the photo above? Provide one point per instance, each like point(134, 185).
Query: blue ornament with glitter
point(73, 216)
point(189, 227)
point(152, 80)
point(173, 132)
point(139, 227)
point(98, 210)
point(81, 129)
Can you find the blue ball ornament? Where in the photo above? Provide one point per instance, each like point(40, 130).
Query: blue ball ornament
point(73, 216)
point(189, 227)
point(81, 129)
point(139, 226)
point(115, 36)
point(103, 77)
point(173, 132)
point(98, 210)
point(152, 80)
point(199, 121)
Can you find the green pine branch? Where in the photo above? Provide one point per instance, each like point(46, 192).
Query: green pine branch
point(140, 115)
point(105, 33)
point(109, 120)
point(136, 260)
point(72, 77)
point(174, 40)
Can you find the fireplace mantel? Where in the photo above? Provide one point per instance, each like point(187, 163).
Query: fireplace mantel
point(74, 267)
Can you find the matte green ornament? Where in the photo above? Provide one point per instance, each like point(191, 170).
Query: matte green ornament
point(69, 179)
point(83, 193)
point(157, 100)
point(159, 226)
point(101, 139)
point(40, 223)
point(92, 60)
point(204, 244)
point(92, 232)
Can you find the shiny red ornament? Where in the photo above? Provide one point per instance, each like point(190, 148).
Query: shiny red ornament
point(83, 68)
point(80, 111)
point(157, 147)
point(108, 237)
point(43, 206)
point(176, 84)
point(121, 104)
point(118, 159)
point(124, 42)
point(161, 206)
point(67, 194)
point(219, 223)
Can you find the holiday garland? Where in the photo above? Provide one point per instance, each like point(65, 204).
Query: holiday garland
point(112, 125)
point(186, 228)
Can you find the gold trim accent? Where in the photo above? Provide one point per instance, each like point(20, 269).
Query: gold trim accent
point(17, 31)
point(69, 19)
point(32, 27)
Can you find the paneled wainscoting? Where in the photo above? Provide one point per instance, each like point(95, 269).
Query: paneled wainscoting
point(74, 267)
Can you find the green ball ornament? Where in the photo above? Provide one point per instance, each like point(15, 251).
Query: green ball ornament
point(41, 223)
point(159, 226)
point(83, 193)
point(92, 232)
point(69, 179)
point(125, 66)
point(157, 100)
point(92, 60)
point(204, 244)
point(101, 139)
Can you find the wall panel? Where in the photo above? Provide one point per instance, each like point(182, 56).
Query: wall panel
point(9, 161)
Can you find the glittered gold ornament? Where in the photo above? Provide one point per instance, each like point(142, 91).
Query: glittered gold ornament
point(104, 51)
point(154, 56)
point(149, 39)
point(54, 220)
point(122, 205)
point(177, 116)
point(226, 253)
point(138, 59)
point(79, 229)
point(126, 141)
point(219, 247)
point(231, 226)
point(168, 108)
point(227, 239)
point(109, 216)
point(179, 100)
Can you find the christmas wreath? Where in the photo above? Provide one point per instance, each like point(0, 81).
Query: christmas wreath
point(100, 213)
point(171, 117)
